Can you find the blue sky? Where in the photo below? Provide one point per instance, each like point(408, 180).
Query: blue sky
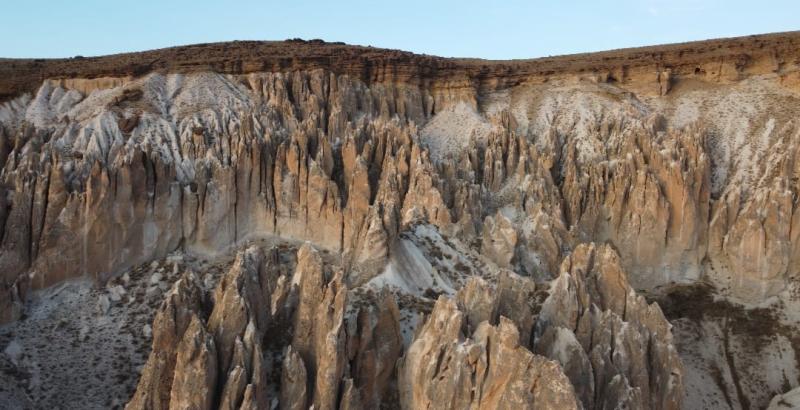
point(466, 28)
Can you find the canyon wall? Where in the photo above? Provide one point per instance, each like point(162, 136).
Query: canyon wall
point(690, 178)
point(674, 165)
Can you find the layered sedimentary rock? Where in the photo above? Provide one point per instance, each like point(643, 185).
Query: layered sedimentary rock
point(416, 188)
point(321, 156)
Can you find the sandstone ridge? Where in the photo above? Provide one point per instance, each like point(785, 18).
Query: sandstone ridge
point(709, 58)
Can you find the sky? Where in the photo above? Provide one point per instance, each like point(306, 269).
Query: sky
point(466, 28)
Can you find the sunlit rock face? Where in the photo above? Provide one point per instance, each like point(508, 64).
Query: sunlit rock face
point(387, 221)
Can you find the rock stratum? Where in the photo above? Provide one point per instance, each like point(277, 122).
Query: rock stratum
point(256, 225)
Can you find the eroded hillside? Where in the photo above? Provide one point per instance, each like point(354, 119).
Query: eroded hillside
point(305, 223)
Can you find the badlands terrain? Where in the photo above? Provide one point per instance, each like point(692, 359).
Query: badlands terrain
point(280, 225)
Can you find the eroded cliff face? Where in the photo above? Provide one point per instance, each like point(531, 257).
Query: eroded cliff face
point(515, 218)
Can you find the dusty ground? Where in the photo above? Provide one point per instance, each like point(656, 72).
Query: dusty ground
point(82, 345)
point(735, 356)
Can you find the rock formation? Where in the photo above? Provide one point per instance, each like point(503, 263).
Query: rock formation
point(412, 231)
point(615, 347)
point(490, 370)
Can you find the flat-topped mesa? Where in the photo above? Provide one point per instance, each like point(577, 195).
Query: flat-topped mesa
point(715, 60)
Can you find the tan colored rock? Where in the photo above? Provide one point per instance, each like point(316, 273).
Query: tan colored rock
point(350, 397)
point(423, 202)
point(665, 81)
point(240, 305)
point(263, 159)
point(515, 296)
point(216, 362)
point(511, 297)
point(378, 346)
point(177, 314)
point(444, 369)
point(753, 245)
point(478, 303)
point(682, 159)
point(319, 335)
point(499, 240)
point(233, 392)
point(592, 306)
point(293, 381)
point(195, 370)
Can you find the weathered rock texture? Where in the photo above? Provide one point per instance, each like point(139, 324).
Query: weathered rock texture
point(615, 347)
point(101, 175)
point(409, 177)
point(443, 369)
point(226, 358)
